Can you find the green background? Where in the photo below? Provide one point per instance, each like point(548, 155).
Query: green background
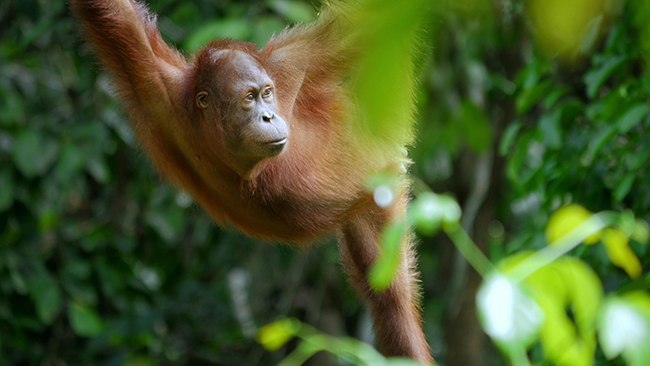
point(104, 263)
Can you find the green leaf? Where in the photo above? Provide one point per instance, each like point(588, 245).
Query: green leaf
point(549, 125)
point(97, 168)
point(167, 221)
point(590, 34)
point(84, 320)
point(567, 283)
point(48, 219)
point(632, 117)
point(294, 11)
point(597, 143)
point(70, 163)
point(641, 232)
point(33, 153)
point(595, 79)
point(509, 136)
point(382, 80)
point(275, 335)
point(476, 127)
point(400, 362)
point(529, 97)
point(383, 271)
point(554, 96)
point(265, 27)
point(501, 83)
point(532, 73)
point(7, 188)
point(12, 110)
point(429, 210)
point(226, 28)
point(624, 186)
point(46, 295)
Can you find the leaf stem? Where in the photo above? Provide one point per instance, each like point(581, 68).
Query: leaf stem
point(470, 251)
point(520, 358)
point(560, 247)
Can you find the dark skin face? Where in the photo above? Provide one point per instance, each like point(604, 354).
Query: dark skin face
point(248, 107)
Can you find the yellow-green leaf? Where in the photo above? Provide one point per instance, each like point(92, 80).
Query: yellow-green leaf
point(567, 283)
point(565, 220)
point(275, 335)
point(619, 251)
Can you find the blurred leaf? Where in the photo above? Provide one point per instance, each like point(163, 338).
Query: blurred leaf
point(141, 360)
point(632, 117)
point(275, 335)
point(265, 27)
point(428, 211)
point(34, 153)
point(383, 78)
point(96, 166)
point(84, 320)
point(641, 232)
point(7, 188)
point(294, 11)
point(527, 98)
point(502, 83)
point(597, 143)
point(572, 109)
point(12, 111)
point(383, 271)
point(549, 125)
point(531, 74)
point(565, 27)
point(565, 220)
point(624, 186)
point(46, 295)
point(590, 34)
point(47, 220)
point(400, 362)
point(619, 251)
point(509, 136)
point(554, 96)
point(595, 78)
point(476, 127)
point(70, 163)
point(225, 28)
point(167, 223)
point(568, 282)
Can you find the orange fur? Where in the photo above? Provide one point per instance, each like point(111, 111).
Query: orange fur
point(314, 187)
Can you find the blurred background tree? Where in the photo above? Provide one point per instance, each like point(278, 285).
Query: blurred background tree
point(524, 107)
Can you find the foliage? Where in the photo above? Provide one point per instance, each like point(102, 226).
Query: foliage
point(103, 264)
point(274, 335)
